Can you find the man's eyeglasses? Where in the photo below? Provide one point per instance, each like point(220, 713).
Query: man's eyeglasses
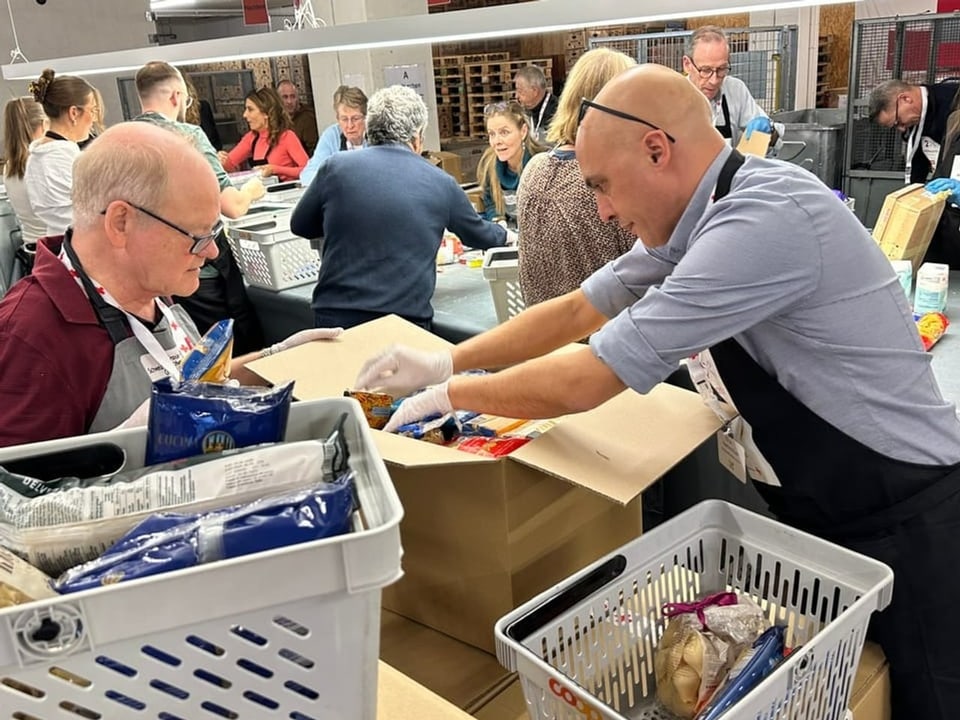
point(200, 242)
point(708, 72)
point(587, 104)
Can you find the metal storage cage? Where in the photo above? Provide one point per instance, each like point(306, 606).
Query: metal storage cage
point(765, 58)
point(920, 49)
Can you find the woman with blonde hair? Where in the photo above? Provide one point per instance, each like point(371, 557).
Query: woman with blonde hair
point(562, 238)
point(271, 145)
point(23, 122)
point(511, 147)
point(70, 104)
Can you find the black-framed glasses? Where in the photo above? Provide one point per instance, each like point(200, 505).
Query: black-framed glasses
point(708, 72)
point(200, 242)
point(587, 104)
point(896, 112)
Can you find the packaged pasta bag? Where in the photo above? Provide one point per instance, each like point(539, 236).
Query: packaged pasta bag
point(209, 360)
point(700, 643)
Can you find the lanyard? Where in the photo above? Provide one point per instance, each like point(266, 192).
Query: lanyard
point(146, 338)
point(916, 137)
point(543, 109)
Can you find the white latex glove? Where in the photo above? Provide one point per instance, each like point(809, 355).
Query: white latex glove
point(512, 238)
point(138, 418)
point(304, 336)
point(400, 370)
point(431, 401)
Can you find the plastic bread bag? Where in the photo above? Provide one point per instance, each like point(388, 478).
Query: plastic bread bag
point(209, 360)
point(698, 646)
point(194, 418)
point(750, 668)
point(20, 582)
point(58, 524)
point(172, 541)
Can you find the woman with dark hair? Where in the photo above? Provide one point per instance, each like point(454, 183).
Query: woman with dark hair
point(271, 145)
point(23, 123)
point(71, 107)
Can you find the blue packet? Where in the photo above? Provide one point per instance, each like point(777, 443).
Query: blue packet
point(753, 665)
point(434, 428)
point(171, 541)
point(195, 418)
point(210, 360)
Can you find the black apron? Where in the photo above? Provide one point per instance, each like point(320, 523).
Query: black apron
point(253, 153)
point(945, 244)
point(726, 130)
point(902, 514)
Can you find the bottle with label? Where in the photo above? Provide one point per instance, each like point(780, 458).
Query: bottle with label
point(932, 284)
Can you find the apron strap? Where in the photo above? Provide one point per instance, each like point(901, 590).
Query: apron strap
point(112, 319)
point(729, 169)
point(726, 130)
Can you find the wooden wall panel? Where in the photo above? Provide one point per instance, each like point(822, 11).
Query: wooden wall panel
point(837, 21)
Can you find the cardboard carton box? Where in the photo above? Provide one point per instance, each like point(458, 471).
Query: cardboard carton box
point(482, 535)
point(906, 223)
point(400, 698)
point(447, 161)
point(758, 144)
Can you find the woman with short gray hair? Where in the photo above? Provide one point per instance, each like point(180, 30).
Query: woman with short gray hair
point(396, 114)
point(381, 212)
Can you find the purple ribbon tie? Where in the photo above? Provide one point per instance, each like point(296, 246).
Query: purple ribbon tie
point(722, 598)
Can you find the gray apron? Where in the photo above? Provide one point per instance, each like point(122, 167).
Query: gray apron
point(130, 380)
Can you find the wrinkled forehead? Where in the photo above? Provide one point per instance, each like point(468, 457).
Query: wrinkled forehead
point(711, 53)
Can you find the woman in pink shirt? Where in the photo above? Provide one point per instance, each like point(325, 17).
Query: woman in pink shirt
point(271, 145)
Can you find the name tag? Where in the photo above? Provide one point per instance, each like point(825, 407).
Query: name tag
point(153, 369)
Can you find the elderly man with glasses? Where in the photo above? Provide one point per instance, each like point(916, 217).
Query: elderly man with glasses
point(83, 336)
point(927, 117)
point(707, 65)
point(785, 309)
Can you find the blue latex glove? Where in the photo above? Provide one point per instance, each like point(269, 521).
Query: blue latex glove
point(939, 185)
point(761, 123)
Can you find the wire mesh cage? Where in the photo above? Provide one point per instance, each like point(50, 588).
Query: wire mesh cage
point(921, 50)
point(765, 58)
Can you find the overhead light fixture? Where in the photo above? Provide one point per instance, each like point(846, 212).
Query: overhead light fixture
point(524, 18)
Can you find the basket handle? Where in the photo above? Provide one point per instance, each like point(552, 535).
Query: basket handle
point(85, 462)
point(566, 598)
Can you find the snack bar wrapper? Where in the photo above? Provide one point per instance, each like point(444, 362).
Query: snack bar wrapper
point(171, 541)
point(699, 645)
point(194, 418)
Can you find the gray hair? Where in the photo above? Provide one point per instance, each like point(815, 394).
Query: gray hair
point(532, 75)
point(129, 161)
point(706, 33)
point(395, 114)
point(883, 95)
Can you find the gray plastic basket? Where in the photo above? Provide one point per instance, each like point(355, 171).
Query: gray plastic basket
point(272, 257)
point(584, 649)
point(502, 270)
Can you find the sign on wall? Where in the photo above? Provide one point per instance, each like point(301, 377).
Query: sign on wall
point(255, 12)
point(410, 76)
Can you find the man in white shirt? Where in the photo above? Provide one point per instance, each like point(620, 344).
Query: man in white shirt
point(735, 112)
point(533, 93)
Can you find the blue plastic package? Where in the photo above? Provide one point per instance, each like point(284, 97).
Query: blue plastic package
point(210, 360)
point(753, 665)
point(170, 541)
point(195, 418)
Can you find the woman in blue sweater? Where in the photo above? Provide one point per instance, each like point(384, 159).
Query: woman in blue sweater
point(511, 146)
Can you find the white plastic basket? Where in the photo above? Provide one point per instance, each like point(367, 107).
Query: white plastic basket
point(290, 633)
point(584, 649)
point(502, 270)
point(272, 257)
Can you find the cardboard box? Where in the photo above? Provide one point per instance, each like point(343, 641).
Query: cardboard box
point(906, 223)
point(447, 161)
point(870, 699)
point(463, 675)
point(758, 144)
point(400, 698)
point(481, 535)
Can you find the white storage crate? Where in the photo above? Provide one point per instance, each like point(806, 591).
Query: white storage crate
point(290, 633)
point(584, 649)
point(272, 257)
point(502, 270)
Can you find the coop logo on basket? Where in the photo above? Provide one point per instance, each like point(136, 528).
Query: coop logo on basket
point(217, 441)
point(566, 694)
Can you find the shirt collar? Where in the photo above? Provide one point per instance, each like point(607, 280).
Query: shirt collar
point(71, 302)
point(679, 242)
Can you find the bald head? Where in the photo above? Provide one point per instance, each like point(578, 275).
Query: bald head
point(138, 162)
point(652, 161)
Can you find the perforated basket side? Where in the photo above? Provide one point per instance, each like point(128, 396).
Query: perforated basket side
point(279, 265)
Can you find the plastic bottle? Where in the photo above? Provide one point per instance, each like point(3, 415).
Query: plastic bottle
point(932, 284)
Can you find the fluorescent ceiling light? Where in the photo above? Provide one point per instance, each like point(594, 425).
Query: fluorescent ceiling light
point(523, 18)
point(168, 4)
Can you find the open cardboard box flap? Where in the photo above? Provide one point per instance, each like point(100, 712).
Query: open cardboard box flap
point(617, 450)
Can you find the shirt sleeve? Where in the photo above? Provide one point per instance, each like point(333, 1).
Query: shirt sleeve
point(473, 231)
point(241, 152)
point(745, 108)
point(290, 156)
point(204, 145)
point(736, 274)
point(328, 145)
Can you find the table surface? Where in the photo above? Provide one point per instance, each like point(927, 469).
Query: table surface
point(946, 353)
